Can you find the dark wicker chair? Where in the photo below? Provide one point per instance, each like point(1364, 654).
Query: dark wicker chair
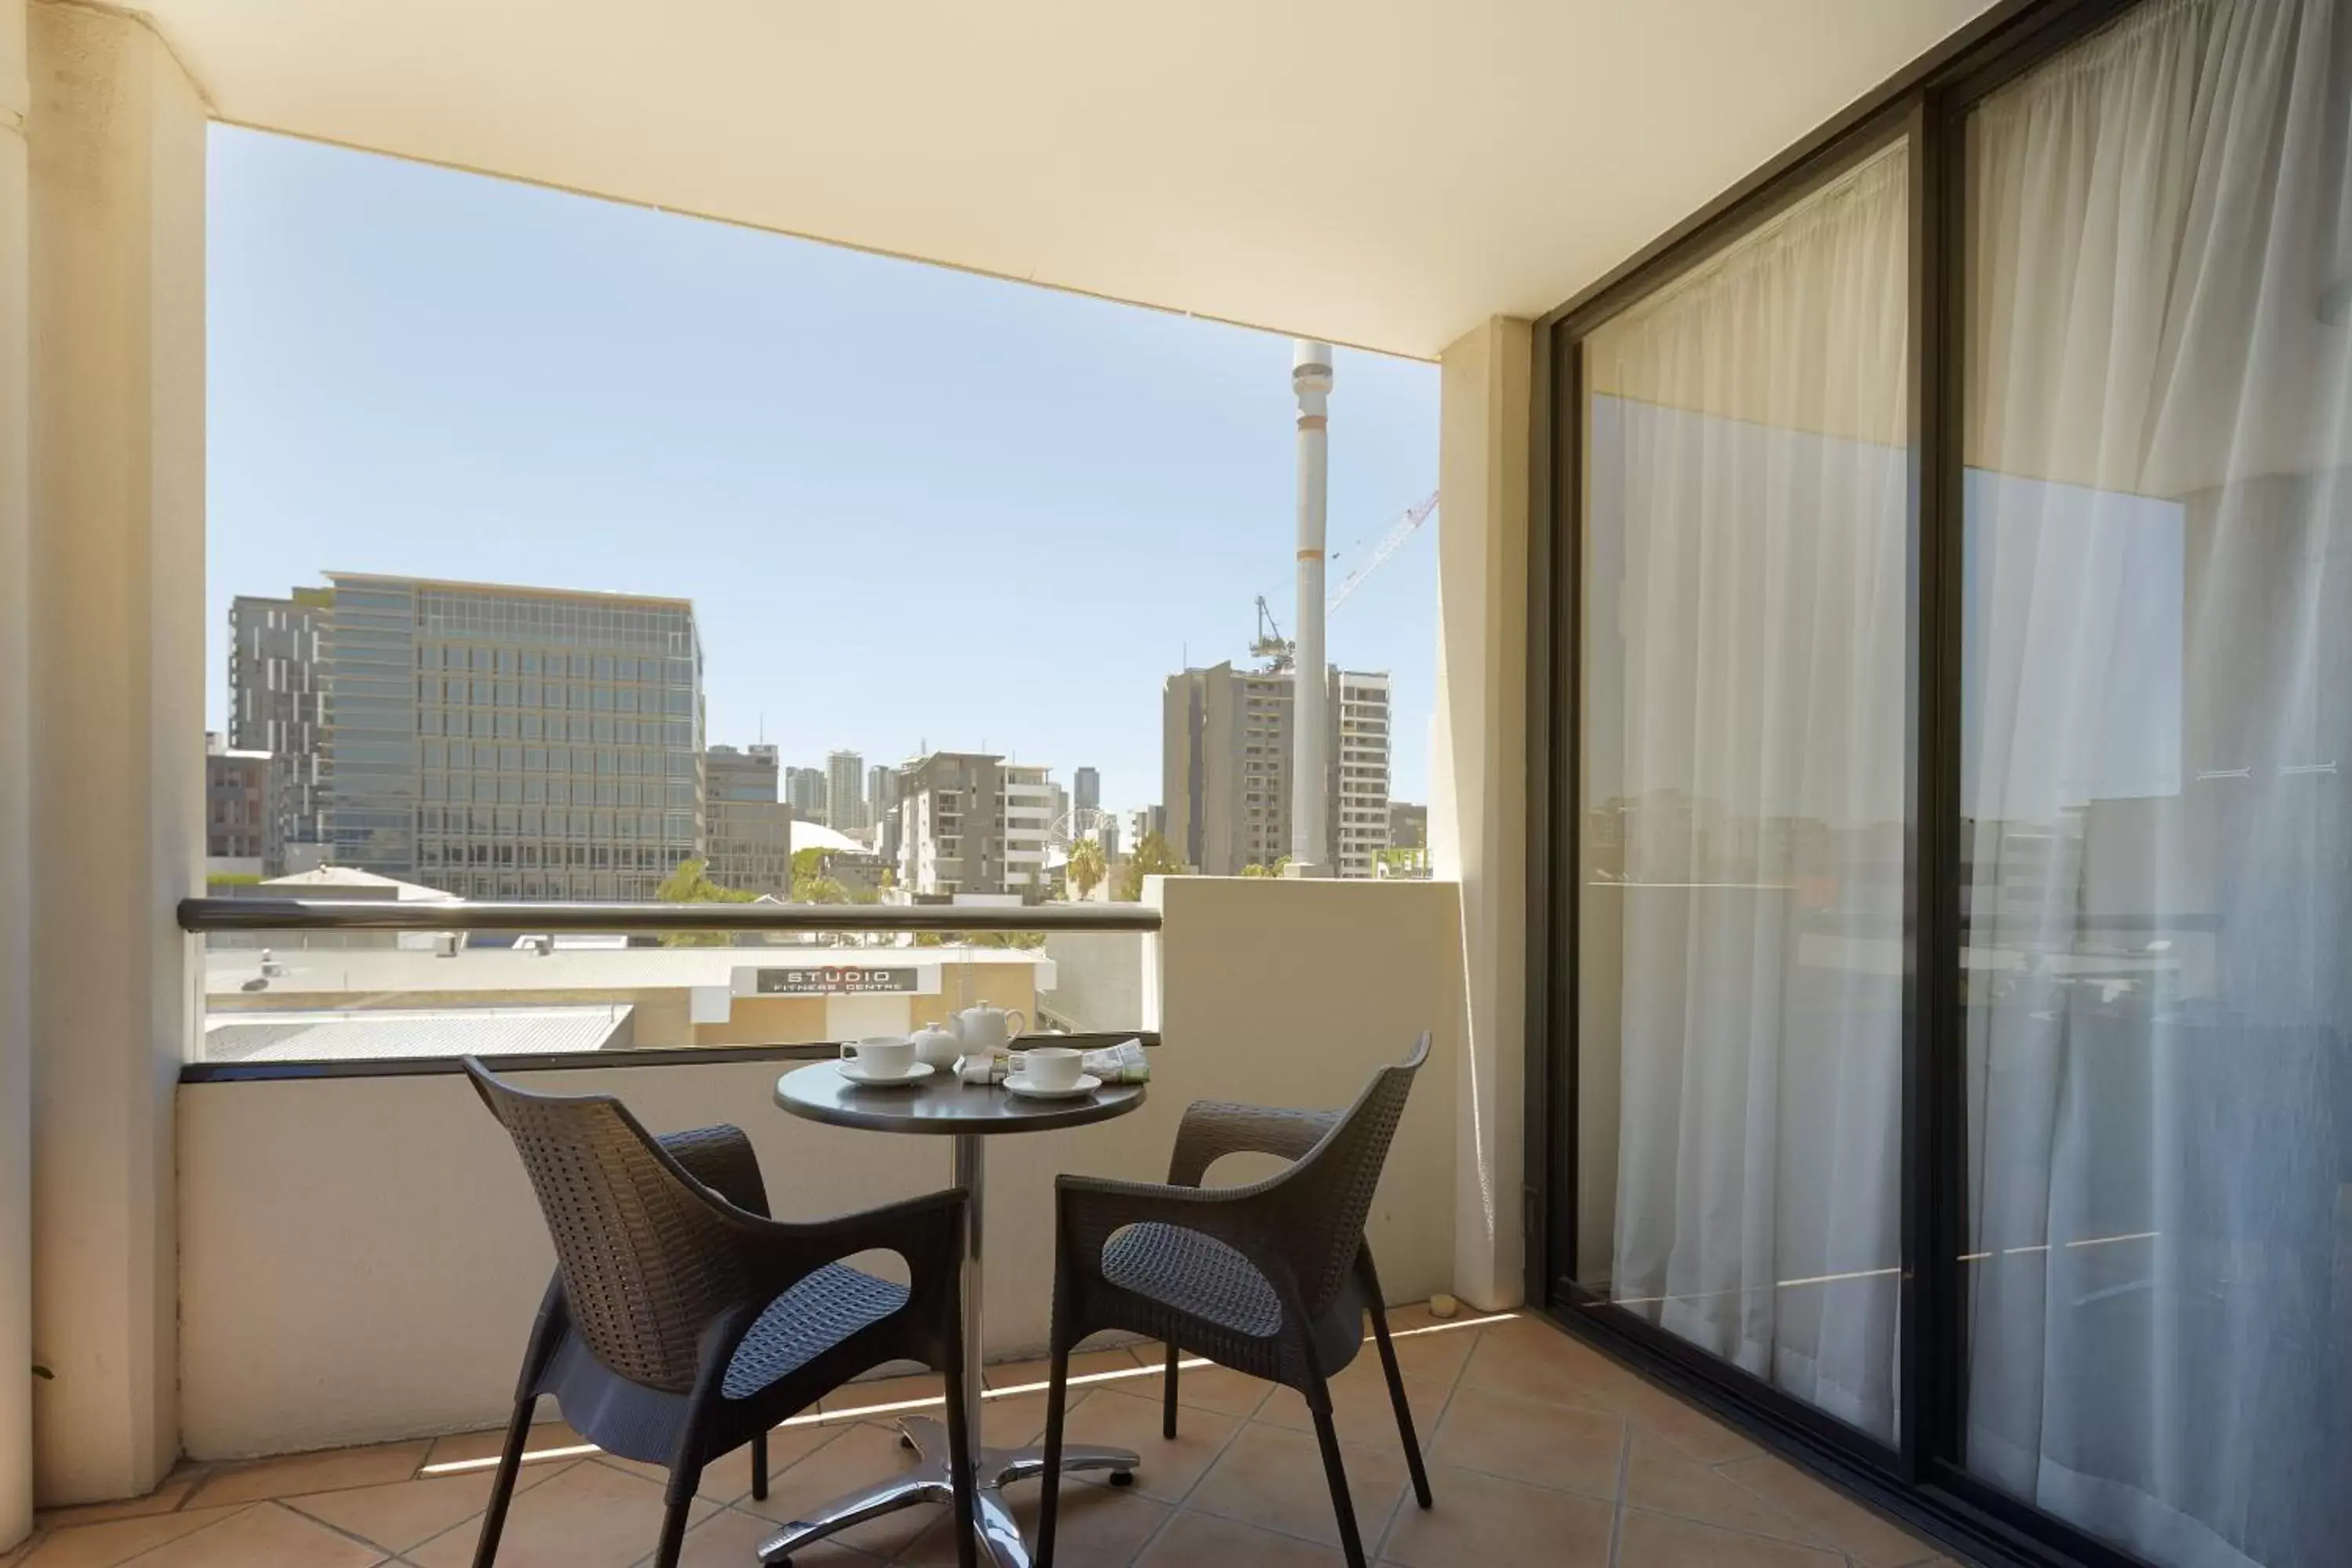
point(683, 1323)
point(1273, 1280)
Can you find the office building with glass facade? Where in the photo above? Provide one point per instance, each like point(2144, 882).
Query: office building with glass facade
point(511, 742)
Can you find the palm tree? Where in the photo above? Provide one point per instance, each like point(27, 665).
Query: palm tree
point(1087, 870)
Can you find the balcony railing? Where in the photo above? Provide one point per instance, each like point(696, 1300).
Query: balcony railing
point(210, 914)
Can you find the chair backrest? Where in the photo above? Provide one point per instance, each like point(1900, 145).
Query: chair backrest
point(647, 1259)
point(1328, 1193)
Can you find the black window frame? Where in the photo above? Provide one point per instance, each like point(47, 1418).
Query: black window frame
point(1920, 1477)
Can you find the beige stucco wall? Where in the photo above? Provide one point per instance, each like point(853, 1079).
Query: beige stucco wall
point(114, 570)
point(1477, 816)
point(361, 1258)
point(16, 750)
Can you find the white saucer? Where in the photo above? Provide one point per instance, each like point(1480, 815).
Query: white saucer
point(856, 1073)
point(1019, 1084)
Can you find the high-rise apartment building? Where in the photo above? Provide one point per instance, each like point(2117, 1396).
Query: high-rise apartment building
point(881, 793)
point(805, 791)
point(845, 792)
point(1359, 813)
point(748, 829)
point(1085, 790)
point(276, 704)
point(1225, 765)
point(1408, 824)
point(972, 823)
point(511, 742)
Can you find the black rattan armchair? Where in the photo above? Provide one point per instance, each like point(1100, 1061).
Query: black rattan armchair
point(683, 1323)
point(1273, 1280)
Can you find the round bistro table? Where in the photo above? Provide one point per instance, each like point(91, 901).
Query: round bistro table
point(969, 1113)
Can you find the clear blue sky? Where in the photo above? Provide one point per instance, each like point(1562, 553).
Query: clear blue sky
point(910, 504)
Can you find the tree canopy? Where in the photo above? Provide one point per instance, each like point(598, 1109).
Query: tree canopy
point(1152, 858)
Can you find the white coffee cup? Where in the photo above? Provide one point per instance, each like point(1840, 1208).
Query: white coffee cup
point(1053, 1067)
point(880, 1056)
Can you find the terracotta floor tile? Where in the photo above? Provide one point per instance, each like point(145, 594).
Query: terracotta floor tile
point(1169, 1471)
point(162, 1499)
point(1014, 1420)
point(1274, 1479)
point(550, 1442)
point(1652, 1541)
point(857, 1457)
point(409, 1513)
point(329, 1471)
point(1662, 1480)
point(1360, 1407)
point(1535, 1361)
point(1086, 1364)
point(729, 1477)
point(118, 1541)
point(1217, 1388)
point(1532, 1441)
point(270, 1535)
point(1434, 1350)
point(1484, 1519)
point(1682, 1424)
point(1101, 1527)
point(885, 1391)
point(587, 1515)
point(1837, 1520)
point(730, 1538)
point(1201, 1540)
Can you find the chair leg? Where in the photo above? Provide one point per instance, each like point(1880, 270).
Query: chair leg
point(682, 1487)
point(1057, 1394)
point(1403, 1410)
point(494, 1517)
point(1168, 1412)
point(760, 1464)
point(1351, 1542)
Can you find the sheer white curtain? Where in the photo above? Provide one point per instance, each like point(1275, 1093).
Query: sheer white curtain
point(2158, 750)
point(1747, 532)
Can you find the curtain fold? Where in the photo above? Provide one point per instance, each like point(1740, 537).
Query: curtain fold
point(1746, 726)
point(2158, 741)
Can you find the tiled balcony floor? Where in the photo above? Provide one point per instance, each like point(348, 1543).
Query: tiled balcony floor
point(1539, 1452)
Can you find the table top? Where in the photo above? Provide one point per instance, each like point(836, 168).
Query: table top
point(941, 1103)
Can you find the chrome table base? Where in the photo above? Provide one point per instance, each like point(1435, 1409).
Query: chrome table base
point(933, 1482)
point(999, 1537)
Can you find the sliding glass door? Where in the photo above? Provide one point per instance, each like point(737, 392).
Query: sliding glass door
point(1747, 521)
point(1950, 890)
point(2158, 784)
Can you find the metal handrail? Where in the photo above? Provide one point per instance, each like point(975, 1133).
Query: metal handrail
point(355, 914)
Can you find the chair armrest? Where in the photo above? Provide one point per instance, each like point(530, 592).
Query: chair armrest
point(720, 1158)
point(1213, 1128)
point(927, 1231)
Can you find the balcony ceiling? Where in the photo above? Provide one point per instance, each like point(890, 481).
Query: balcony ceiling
point(1382, 172)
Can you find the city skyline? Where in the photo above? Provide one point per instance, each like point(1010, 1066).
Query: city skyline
point(915, 508)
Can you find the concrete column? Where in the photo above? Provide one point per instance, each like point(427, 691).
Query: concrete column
point(15, 875)
point(1478, 819)
point(115, 578)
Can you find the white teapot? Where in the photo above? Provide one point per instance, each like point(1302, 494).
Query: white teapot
point(987, 1030)
point(937, 1043)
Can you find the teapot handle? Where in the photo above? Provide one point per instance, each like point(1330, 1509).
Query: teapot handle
point(1012, 1033)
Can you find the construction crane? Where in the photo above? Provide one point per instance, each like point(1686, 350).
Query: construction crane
point(1278, 651)
point(1390, 543)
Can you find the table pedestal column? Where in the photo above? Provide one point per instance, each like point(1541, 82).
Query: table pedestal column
point(932, 1481)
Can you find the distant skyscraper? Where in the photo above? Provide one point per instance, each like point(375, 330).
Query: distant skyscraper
point(804, 788)
point(844, 791)
point(881, 793)
point(750, 831)
point(276, 704)
point(511, 742)
point(1225, 767)
point(1085, 790)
